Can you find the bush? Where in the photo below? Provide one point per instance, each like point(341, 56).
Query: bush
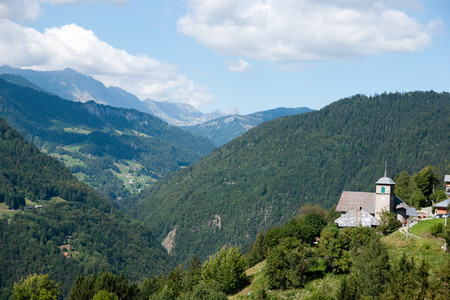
point(205, 291)
point(227, 268)
point(436, 229)
point(388, 222)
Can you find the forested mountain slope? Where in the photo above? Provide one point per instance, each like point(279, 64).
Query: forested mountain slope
point(263, 177)
point(225, 129)
point(115, 150)
point(70, 218)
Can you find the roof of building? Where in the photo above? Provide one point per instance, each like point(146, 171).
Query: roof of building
point(357, 218)
point(385, 180)
point(398, 203)
point(411, 211)
point(443, 204)
point(447, 178)
point(350, 200)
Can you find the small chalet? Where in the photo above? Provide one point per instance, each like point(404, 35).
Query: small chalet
point(442, 207)
point(364, 209)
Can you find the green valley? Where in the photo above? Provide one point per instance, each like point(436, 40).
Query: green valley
point(116, 151)
point(61, 227)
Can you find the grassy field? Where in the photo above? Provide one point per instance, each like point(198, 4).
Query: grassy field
point(140, 181)
point(424, 226)
point(7, 213)
point(68, 161)
point(428, 249)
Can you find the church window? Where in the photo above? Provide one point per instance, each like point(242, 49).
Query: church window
point(383, 190)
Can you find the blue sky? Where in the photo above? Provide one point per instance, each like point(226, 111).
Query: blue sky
point(253, 55)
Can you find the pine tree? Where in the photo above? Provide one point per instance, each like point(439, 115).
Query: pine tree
point(372, 269)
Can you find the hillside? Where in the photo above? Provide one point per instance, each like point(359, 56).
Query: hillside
point(63, 216)
point(328, 287)
point(225, 129)
point(115, 150)
point(263, 177)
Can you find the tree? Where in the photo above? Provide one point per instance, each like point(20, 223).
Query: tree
point(334, 250)
point(227, 268)
point(347, 288)
point(388, 222)
point(427, 180)
point(301, 262)
point(442, 286)
point(316, 221)
point(332, 215)
point(104, 295)
point(418, 199)
point(404, 187)
point(372, 269)
point(276, 269)
point(194, 273)
point(36, 287)
point(257, 252)
point(205, 291)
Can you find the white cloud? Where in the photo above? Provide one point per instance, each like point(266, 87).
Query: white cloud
point(75, 47)
point(31, 9)
point(295, 31)
point(238, 66)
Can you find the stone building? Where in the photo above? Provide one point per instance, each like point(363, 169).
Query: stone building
point(364, 209)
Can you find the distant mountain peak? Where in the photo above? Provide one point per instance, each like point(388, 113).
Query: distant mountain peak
point(233, 111)
point(184, 114)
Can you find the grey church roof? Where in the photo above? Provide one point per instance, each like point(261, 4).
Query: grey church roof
point(385, 180)
point(350, 200)
point(357, 218)
point(447, 178)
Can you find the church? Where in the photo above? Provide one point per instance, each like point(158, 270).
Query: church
point(364, 209)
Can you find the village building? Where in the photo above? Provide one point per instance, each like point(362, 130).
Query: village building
point(442, 207)
point(365, 209)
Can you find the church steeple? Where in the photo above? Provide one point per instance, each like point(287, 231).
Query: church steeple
point(384, 194)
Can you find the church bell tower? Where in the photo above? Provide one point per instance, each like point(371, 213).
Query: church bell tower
point(384, 194)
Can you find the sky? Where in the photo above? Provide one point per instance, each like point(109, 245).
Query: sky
point(253, 55)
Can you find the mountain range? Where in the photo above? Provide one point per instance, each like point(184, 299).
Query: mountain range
point(262, 178)
point(71, 85)
point(222, 130)
point(115, 150)
point(182, 114)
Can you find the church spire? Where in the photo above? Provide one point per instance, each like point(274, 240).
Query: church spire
point(385, 168)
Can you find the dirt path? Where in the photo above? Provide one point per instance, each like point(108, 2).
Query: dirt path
point(404, 230)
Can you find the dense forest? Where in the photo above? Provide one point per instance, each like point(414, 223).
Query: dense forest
point(308, 257)
point(101, 144)
point(263, 177)
point(61, 216)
